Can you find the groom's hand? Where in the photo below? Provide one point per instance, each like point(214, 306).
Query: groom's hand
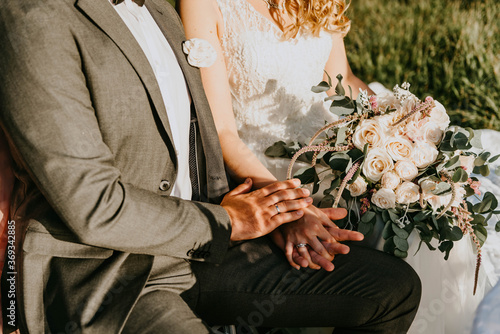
point(257, 213)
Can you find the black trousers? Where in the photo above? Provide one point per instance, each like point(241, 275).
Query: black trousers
point(368, 292)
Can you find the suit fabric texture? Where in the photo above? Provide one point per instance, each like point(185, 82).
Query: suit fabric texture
point(101, 246)
point(95, 162)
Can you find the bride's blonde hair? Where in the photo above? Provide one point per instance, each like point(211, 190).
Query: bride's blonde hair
point(317, 15)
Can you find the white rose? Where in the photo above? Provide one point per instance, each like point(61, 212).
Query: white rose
point(467, 162)
point(200, 52)
point(377, 163)
point(390, 180)
point(424, 154)
point(384, 199)
point(432, 133)
point(406, 170)
point(407, 192)
point(399, 148)
point(368, 132)
point(439, 116)
point(358, 187)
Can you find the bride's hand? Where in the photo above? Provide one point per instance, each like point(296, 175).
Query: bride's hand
point(322, 236)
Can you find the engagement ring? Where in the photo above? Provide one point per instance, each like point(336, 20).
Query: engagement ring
point(277, 208)
point(301, 245)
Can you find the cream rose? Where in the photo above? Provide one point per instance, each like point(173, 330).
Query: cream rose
point(407, 192)
point(424, 154)
point(200, 52)
point(390, 180)
point(377, 163)
point(467, 162)
point(439, 116)
point(399, 148)
point(358, 187)
point(384, 199)
point(432, 133)
point(406, 170)
point(368, 132)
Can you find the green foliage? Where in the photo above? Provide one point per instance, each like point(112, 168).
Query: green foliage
point(446, 49)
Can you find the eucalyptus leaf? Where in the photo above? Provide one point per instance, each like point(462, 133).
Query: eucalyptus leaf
point(394, 217)
point(341, 136)
point(389, 246)
point(478, 219)
point(493, 159)
point(387, 232)
point(277, 150)
point(326, 202)
point(329, 78)
point(365, 228)
point(400, 254)
point(323, 86)
point(452, 161)
point(400, 232)
point(446, 247)
point(339, 89)
point(480, 233)
point(497, 171)
point(401, 244)
point(306, 175)
point(455, 234)
point(335, 183)
point(476, 142)
point(368, 217)
point(497, 226)
point(339, 161)
point(441, 188)
point(484, 170)
point(460, 175)
point(422, 216)
point(355, 154)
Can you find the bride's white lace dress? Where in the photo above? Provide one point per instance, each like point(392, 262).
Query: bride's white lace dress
point(270, 81)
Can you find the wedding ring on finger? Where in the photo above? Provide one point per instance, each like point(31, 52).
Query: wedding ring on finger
point(277, 209)
point(300, 245)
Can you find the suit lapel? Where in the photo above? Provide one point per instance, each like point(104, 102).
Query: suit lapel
point(105, 17)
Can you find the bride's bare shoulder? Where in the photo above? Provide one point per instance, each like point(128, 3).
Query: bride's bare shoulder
point(196, 14)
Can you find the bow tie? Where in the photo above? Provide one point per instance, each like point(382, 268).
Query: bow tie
point(138, 2)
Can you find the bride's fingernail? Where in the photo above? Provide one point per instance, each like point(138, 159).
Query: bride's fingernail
point(308, 200)
point(299, 212)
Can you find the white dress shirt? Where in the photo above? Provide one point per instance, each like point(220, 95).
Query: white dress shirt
point(171, 82)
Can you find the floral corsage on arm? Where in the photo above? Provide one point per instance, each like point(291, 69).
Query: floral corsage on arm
point(200, 53)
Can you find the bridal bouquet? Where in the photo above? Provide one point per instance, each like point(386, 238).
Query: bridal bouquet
point(394, 158)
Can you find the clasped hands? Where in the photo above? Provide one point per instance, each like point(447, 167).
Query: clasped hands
point(284, 211)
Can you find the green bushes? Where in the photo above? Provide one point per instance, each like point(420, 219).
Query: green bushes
point(447, 49)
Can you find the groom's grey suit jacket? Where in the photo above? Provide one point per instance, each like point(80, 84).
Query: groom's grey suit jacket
point(95, 162)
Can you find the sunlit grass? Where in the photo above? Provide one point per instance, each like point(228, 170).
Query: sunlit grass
point(447, 49)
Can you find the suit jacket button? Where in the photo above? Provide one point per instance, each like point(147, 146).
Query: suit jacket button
point(164, 185)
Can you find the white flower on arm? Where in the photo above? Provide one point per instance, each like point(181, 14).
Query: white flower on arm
point(377, 163)
point(406, 170)
point(368, 132)
point(390, 180)
point(407, 192)
point(200, 52)
point(399, 148)
point(424, 154)
point(358, 187)
point(384, 199)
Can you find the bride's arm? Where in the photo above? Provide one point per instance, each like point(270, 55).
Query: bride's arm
point(202, 19)
point(338, 64)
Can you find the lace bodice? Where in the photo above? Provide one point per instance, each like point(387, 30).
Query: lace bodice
point(271, 79)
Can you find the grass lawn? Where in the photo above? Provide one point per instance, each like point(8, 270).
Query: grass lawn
point(449, 49)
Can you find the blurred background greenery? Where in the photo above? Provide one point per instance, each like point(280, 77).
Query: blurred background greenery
point(448, 49)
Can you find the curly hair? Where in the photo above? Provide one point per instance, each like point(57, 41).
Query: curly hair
point(317, 15)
